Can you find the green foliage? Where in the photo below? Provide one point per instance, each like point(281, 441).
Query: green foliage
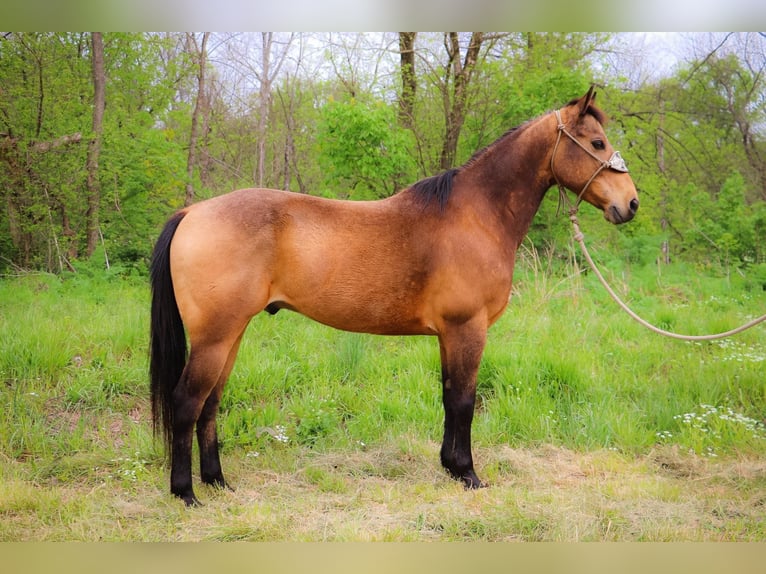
point(693, 147)
point(721, 229)
point(361, 148)
point(527, 81)
point(47, 115)
point(44, 98)
point(551, 72)
point(146, 183)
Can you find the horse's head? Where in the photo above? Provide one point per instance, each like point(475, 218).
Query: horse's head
point(585, 162)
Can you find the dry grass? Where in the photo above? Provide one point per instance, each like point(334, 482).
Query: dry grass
point(398, 493)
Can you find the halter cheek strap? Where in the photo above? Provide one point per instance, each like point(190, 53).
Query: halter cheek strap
point(615, 162)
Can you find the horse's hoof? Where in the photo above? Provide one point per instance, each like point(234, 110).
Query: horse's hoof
point(193, 502)
point(219, 484)
point(472, 482)
point(190, 500)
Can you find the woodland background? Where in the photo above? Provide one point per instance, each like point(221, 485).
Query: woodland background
point(103, 135)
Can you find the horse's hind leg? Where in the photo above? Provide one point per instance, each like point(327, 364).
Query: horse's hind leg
point(207, 435)
point(198, 381)
point(461, 349)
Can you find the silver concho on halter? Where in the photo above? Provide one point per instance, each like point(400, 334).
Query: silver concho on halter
point(617, 163)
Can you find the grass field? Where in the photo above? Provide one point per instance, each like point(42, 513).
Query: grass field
point(588, 426)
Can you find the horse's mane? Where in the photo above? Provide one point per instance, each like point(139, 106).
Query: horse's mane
point(439, 187)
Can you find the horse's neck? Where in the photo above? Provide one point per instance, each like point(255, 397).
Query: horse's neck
point(515, 176)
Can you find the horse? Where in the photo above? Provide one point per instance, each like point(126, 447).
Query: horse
point(434, 259)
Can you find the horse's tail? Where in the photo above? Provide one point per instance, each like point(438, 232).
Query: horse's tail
point(168, 340)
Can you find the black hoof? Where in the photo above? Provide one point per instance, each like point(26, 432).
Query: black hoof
point(191, 501)
point(472, 482)
point(468, 478)
point(218, 483)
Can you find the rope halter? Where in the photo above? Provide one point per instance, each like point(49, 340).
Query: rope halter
point(615, 162)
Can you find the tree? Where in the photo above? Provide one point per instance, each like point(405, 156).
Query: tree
point(362, 151)
point(361, 62)
point(743, 92)
point(269, 71)
point(697, 149)
point(261, 61)
point(200, 110)
point(409, 78)
point(44, 103)
point(359, 116)
point(94, 146)
point(458, 72)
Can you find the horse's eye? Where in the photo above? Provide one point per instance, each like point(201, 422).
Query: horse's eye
point(598, 144)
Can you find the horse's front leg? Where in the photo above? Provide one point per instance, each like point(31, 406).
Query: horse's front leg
point(461, 350)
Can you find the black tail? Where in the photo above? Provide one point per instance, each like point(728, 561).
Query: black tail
point(168, 340)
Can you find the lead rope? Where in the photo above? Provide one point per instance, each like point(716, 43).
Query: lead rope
point(580, 238)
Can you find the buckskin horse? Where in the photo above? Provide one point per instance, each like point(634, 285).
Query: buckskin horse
point(436, 259)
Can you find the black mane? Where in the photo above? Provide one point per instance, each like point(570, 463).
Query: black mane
point(436, 187)
point(439, 187)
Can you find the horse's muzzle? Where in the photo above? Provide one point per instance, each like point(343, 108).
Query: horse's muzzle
point(615, 215)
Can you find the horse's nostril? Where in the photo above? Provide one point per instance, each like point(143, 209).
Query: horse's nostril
point(633, 205)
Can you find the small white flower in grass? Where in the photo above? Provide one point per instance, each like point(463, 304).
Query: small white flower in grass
point(278, 433)
point(664, 435)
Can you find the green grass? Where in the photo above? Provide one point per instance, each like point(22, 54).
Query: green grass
point(588, 427)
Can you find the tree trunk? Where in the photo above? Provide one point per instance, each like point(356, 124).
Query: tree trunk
point(290, 167)
point(460, 75)
point(200, 106)
point(663, 189)
point(265, 104)
point(409, 80)
point(94, 146)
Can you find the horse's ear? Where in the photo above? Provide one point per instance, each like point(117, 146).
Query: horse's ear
point(586, 101)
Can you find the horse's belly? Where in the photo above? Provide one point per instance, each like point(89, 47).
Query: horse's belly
point(361, 312)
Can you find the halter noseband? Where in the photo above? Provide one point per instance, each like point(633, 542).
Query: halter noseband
point(615, 162)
